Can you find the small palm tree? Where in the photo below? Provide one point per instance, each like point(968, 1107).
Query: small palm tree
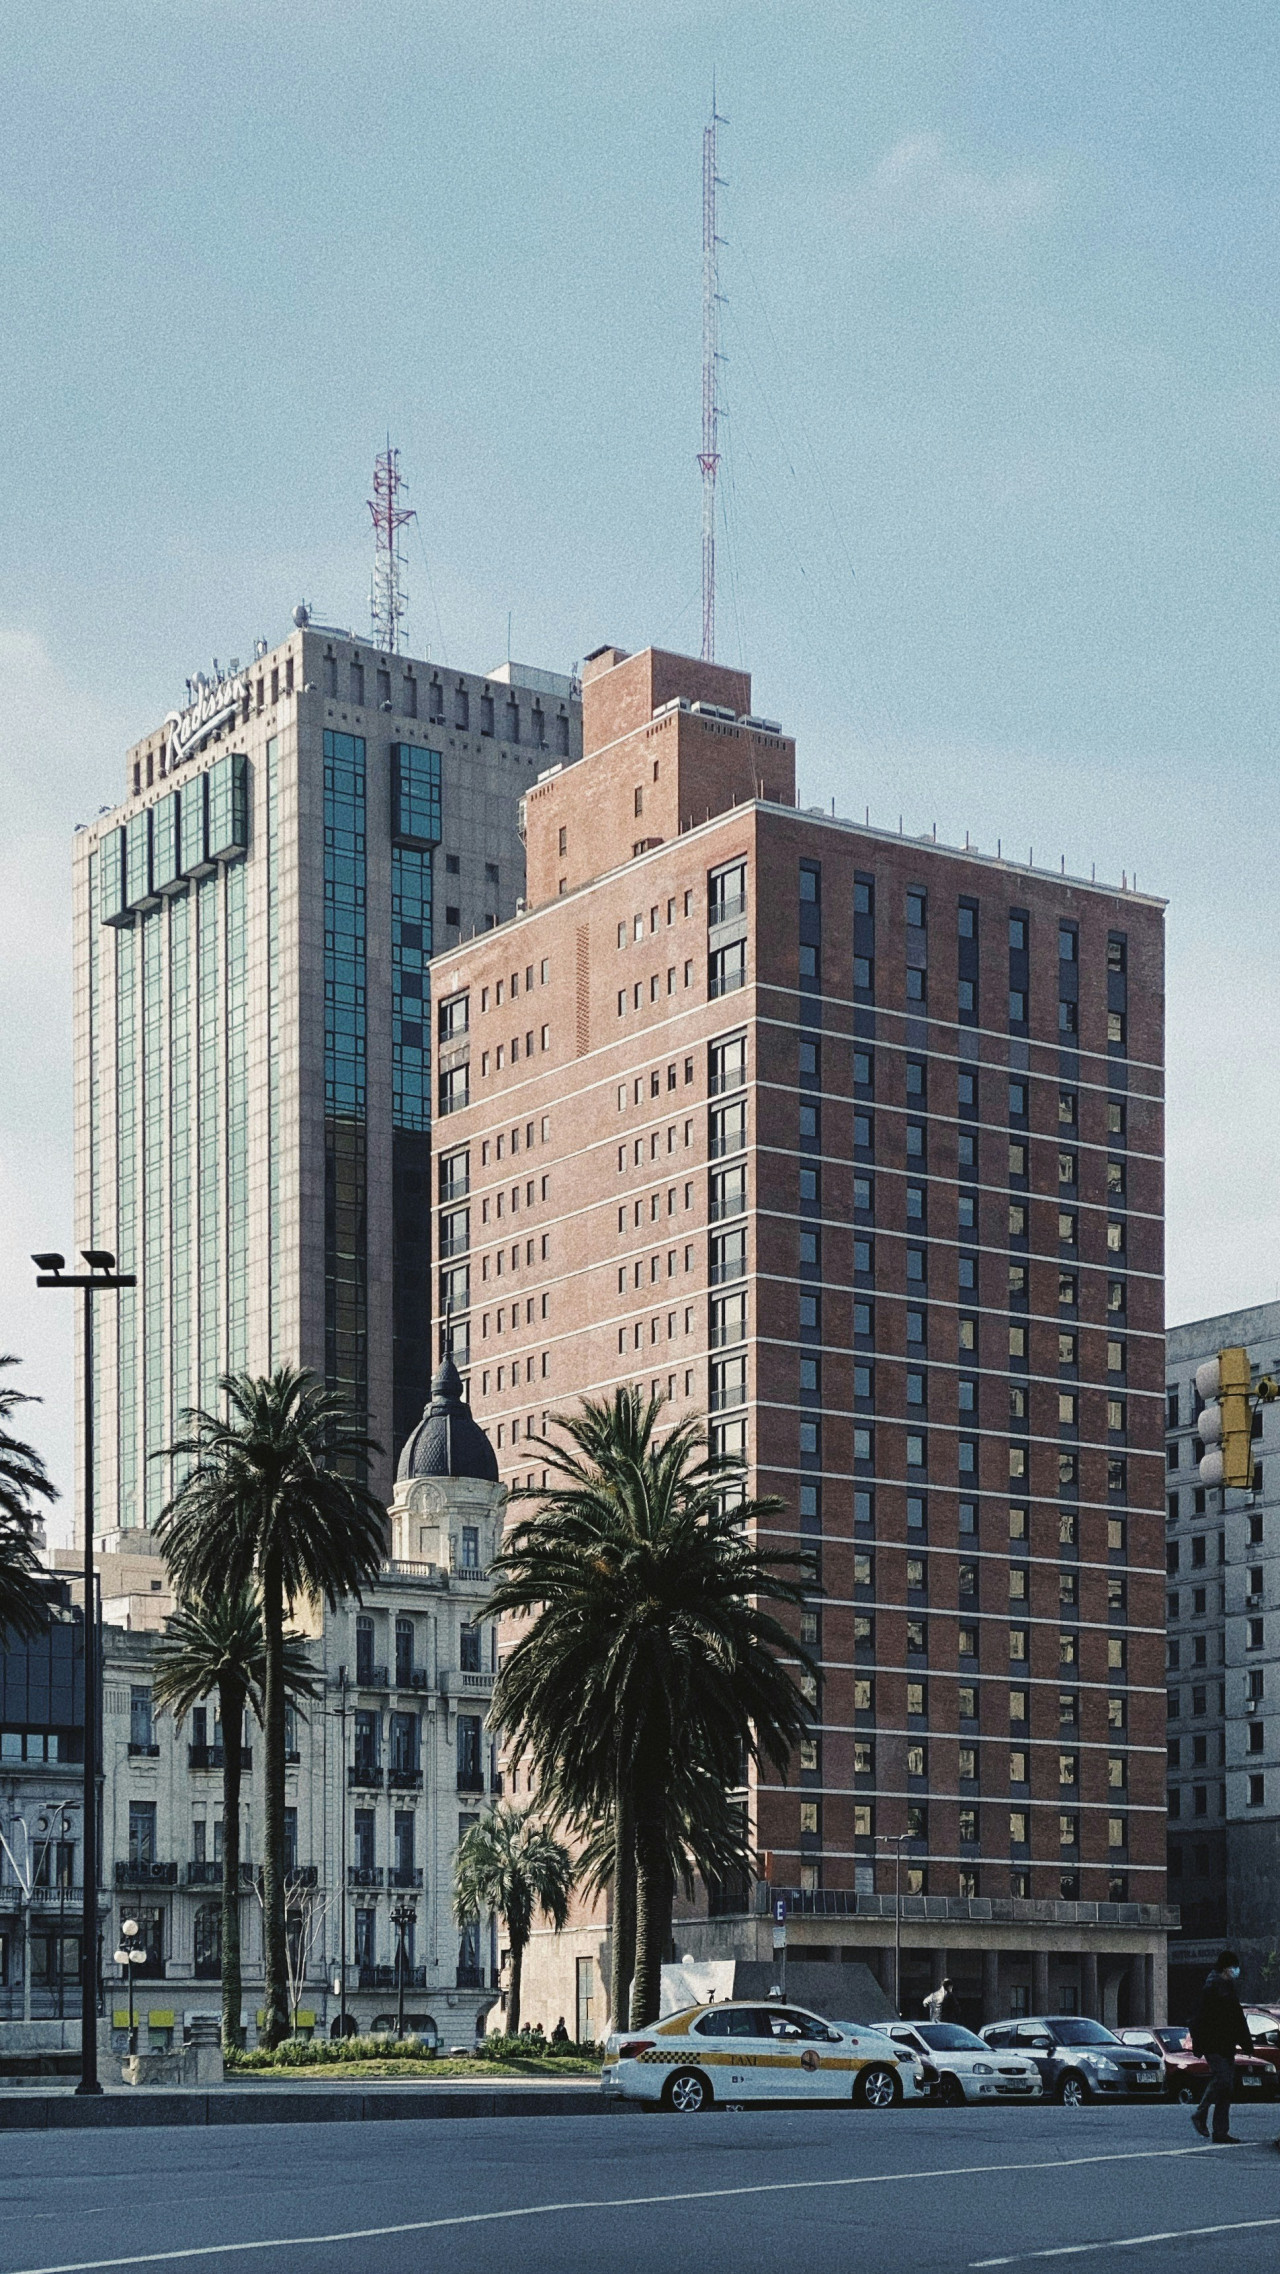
point(24, 1606)
point(215, 1643)
point(275, 1497)
point(511, 1864)
point(646, 1646)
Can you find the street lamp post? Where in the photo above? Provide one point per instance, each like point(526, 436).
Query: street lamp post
point(101, 1276)
point(402, 1919)
point(130, 1956)
point(894, 1840)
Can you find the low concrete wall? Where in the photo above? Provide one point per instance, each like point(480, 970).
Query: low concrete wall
point(270, 2104)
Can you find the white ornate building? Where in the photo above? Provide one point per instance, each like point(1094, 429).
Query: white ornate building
point(386, 1771)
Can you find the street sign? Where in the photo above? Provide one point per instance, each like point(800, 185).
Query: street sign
point(780, 1910)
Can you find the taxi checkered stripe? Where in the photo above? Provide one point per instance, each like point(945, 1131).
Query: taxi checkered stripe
point(661, 2057)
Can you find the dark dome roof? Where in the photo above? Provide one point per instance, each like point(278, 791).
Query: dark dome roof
point(448, 1441)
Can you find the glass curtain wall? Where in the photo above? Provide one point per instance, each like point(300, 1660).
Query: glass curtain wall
point(345, 1027)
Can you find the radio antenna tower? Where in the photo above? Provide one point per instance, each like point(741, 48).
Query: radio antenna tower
point(387, 595)
point(709, 455)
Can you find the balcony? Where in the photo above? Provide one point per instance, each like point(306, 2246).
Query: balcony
point(372, 1678)
point(366, 1776)
point(296, 1875)
point(364, 1875)
point(209, 1874)
point(471, 1780)
point(455, 1684)
point(414, 1677)
point(471, 1978)
point(143, 1752)
point(405, 1875)
point(384, 1978)
point(726, 911)
point(212, 1757)
point(471, 1574)
point(458, 1243)
point(137, 1873)
point(404, 1780)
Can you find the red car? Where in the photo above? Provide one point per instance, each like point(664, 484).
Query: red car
point(1264, 2029)
point(1186, 2073)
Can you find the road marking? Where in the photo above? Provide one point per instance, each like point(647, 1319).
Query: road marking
point(606, 2203)
point(1127, 2242)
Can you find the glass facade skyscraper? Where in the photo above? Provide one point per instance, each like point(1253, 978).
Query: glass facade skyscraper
point(253, 1027)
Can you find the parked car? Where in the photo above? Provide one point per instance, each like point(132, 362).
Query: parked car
point(1079, 2060)
point(1186, 2072)
point(734, 2051)
point(968, 2069)
point(1264, 2028)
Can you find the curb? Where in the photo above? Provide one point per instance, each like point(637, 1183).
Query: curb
point(63, 2112)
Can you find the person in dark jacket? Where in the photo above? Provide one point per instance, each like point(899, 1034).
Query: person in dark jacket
point(1219, 2029)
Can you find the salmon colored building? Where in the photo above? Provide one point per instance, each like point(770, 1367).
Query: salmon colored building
point(854, 1143)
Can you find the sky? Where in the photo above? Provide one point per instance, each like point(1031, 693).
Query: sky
point(999, 541)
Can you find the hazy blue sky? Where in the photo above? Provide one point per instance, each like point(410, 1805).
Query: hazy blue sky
point(1003, 446)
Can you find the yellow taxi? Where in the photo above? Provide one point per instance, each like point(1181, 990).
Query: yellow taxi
point(733, 2051)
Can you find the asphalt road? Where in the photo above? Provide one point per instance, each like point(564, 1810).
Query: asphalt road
point(908, 2192)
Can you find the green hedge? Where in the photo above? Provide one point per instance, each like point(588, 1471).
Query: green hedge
point(319, 2052)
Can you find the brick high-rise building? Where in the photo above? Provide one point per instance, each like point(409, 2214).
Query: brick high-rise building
point(854, 1142)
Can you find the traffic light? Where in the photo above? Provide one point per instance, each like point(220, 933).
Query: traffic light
point(1226, 1424)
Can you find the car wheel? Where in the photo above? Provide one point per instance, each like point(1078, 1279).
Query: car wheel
point(687, 2092)
point(877, 2088)
point(1186, 2096)
point(1073, 2092)
point(951, 2092)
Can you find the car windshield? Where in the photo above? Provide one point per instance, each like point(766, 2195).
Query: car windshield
point(1177, 2040)
point(1075, 2030)
point(946, 2037)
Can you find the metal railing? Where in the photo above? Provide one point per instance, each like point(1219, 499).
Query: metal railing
point(213, 1757)
point(139, 1874)
point(405, 1875)
point(364, 1875)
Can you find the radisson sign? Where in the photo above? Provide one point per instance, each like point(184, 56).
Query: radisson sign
point(215, 705)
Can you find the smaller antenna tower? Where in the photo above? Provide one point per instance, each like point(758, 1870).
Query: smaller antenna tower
point(709, 455)
point(387, 595)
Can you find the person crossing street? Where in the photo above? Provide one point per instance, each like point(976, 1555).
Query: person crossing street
point(1218, 2031)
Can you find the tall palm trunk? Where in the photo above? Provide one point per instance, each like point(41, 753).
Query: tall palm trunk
point(655, 1896)
point(516, 1948)
point(275, 1951)
point(623, 1950)
point(231, 1703)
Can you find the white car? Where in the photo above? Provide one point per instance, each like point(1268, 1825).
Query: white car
point(732, 2051)
point(968, 2068)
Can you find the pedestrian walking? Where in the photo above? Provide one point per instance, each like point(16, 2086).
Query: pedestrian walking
point(1219, 2029)
point(942, 2004)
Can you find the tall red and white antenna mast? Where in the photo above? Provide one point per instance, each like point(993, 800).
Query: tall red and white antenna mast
point(387, 595)
point(709, 455)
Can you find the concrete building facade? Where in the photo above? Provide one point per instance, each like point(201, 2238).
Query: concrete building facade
point(853, 1143)
point(386, 1772)
point(253, 925)
point(1223, 1673)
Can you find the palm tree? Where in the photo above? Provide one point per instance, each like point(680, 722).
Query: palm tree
point(510, 1863)
point(647, 1647)
point(215, 1643)
point(275, 1497)
point(24, 1606)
